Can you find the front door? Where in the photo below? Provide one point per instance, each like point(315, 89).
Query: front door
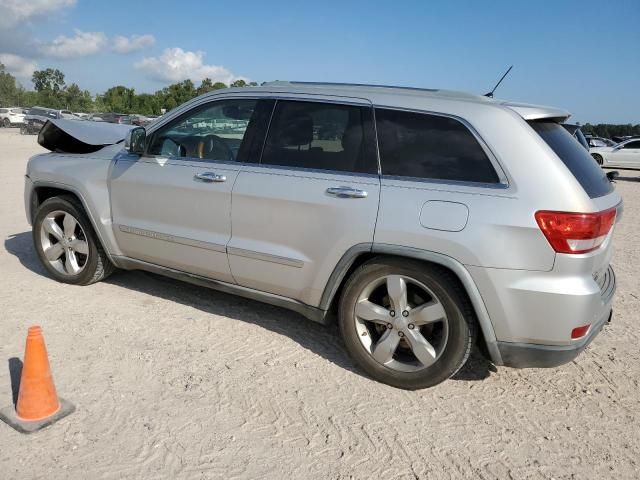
point(313, 196)
point(629, 155)
point(172, 206)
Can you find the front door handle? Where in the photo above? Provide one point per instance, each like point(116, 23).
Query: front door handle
point(346, 192)
point(210, 177)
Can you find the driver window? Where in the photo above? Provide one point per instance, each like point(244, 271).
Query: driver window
point(210, 132)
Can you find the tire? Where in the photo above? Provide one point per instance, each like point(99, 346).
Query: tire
point(6, 123)
point(82, 259)
point(597, 158)
point(450, 339)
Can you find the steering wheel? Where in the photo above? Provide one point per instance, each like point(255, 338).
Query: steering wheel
point(215, 148)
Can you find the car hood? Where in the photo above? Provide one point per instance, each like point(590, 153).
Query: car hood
point(80, 136)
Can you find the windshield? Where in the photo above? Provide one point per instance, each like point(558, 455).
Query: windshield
point(575, 157)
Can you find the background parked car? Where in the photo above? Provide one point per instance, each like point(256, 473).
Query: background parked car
point(11, 117)
point(112, 117)
point(95, 117)
point(622, 155)
point(577, 134)
point(37, 116)
point(599, 141)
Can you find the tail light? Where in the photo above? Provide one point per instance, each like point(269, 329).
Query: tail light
point(575, 232)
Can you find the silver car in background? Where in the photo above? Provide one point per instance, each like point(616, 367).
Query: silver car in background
point(425, 221)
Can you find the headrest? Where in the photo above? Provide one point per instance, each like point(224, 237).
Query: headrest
point(295, 131)
point(352, 138)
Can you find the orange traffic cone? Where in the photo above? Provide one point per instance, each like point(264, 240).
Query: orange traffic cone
point(38, 404)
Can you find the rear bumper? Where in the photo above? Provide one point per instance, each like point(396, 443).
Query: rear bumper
point(529, 355)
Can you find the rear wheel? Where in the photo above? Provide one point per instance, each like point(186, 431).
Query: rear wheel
point(405, 323)
point(66, 243)
point(597, 158)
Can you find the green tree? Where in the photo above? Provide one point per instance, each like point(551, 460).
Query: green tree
point(9, 89)
point(239, 83)
point(207, 85)
point(77, 100)
point(48, 79)
point(119, 99)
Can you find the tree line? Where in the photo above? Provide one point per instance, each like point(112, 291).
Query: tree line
point(50, 90)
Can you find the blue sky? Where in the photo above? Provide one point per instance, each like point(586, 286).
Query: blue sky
point(580, 55)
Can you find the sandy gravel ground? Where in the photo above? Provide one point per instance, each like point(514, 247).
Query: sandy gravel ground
point(176, 381)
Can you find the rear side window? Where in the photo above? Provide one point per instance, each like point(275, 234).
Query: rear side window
point(590, 176)
point(632, 145)
point(323, 136)
point(430, 146)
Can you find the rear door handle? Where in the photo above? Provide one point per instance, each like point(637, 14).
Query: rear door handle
point(346, 192)
point(210, 177)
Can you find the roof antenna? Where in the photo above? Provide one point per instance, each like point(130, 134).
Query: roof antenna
point(490, 94)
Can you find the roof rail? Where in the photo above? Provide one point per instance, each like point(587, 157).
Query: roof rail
point(338, 84)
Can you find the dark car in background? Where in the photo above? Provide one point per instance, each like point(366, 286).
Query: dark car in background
point(37, 116)
point(577, 134)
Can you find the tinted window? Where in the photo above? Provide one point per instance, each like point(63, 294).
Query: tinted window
point(632, 145)
point(577, 159)
point(322, 136)
point(430, 146)
point(214, 131)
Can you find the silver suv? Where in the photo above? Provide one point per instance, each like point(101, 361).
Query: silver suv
point(424, 220)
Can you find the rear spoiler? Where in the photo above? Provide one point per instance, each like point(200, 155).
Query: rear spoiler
point(80, 136)
point(537, 112)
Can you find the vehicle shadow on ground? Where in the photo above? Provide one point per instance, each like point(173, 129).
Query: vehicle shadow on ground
point(324, 340)
point(628, 179)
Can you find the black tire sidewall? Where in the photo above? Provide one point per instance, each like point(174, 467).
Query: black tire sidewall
point(67, 205)
point(459, 336)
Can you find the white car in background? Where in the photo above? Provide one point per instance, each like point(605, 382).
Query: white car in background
point(623, 155)
point(11, 117)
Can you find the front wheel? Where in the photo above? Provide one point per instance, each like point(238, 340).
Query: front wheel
point(597, 158)
point(6, 123)
point(405, 323)
point(66, 243)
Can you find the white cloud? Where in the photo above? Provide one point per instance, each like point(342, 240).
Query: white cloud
point(83, 44)
point(19, 66)
point(13, 12)
point(175, 65)
point(135, 42)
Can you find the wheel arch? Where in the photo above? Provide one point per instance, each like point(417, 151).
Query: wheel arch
point(361, 253)
point(42, 191)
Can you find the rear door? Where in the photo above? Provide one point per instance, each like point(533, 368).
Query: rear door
point(172, 206)
point(313, 196)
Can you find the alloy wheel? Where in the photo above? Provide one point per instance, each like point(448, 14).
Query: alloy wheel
point(401, 323)
point(64, 243)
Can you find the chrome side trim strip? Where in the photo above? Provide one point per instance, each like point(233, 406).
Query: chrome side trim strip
point(265, 257)
point(172, 238)
point(312, 313)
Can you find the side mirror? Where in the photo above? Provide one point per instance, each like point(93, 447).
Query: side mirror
point(135, 140)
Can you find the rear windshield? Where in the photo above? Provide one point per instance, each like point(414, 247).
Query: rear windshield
point(575, 157)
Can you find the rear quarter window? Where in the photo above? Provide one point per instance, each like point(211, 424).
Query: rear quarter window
point(421, 145)
point(584, 168)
